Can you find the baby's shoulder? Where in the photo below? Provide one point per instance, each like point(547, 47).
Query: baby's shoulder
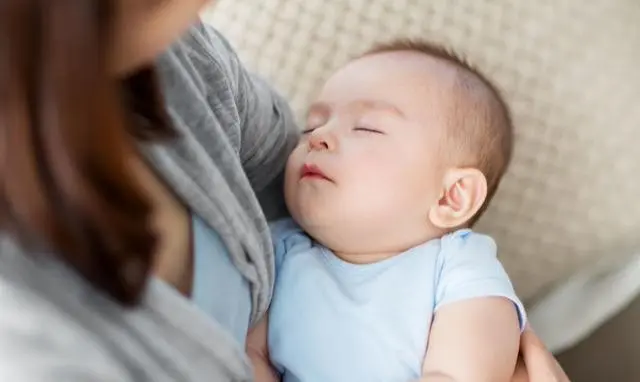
point(287, 237)
point(468, 249)
point(469, 268)
point(468, 242)
point(285, 229)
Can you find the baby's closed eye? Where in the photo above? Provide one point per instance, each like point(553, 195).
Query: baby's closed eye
point(368, 130)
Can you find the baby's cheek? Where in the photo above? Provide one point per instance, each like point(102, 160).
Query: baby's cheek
point(294, 162)
point(377, 183)
point(291, 176)
point(398, 182)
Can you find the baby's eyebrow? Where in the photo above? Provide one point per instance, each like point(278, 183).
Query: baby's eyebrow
point(381, 105)
point(322, 108)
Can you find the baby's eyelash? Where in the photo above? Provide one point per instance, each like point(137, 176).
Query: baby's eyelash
point(368, 130)
point(308, 131)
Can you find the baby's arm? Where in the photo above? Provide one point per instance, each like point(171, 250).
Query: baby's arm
point(258, 352)
point(473, 340)
point(475, 332)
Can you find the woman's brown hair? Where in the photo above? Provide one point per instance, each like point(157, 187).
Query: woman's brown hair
point(68, 130)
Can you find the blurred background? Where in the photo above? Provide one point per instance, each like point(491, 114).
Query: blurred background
point(567, 217)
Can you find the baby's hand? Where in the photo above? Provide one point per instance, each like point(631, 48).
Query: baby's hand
point(258, 353)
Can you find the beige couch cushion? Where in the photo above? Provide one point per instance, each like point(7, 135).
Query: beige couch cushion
point(570, 71)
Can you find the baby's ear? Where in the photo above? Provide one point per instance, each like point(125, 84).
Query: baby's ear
point(463, 194)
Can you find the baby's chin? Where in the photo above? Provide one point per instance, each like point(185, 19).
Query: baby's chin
point(309, 219)
point(307, 207)
point(315, 221)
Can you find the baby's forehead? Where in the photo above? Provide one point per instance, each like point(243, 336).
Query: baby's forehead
point(413, 82)
point(396, 66)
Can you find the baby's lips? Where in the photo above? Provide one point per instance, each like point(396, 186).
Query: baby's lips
point(310, 170)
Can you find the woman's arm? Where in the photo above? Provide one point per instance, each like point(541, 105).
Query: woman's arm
point(269, 134)
point(536, 363)
point(256, 121)
point(268, 130)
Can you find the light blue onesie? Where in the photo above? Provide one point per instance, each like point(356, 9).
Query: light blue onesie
point(335, 321)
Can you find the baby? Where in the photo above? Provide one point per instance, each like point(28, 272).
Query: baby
point(380, 277)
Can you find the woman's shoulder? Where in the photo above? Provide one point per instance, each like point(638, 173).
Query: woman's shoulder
point(54, 326)
point(41, 340)
point(199, 75)
point(38, 341)
point(203, 63)
point(202, 50)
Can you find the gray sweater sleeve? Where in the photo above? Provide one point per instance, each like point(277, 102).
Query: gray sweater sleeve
point(268, 130)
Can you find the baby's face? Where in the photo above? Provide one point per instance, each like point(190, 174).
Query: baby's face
point(369, 165)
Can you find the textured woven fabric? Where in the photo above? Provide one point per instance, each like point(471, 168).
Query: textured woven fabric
point(569, 70)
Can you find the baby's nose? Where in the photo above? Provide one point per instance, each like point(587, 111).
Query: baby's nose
point(321, 141)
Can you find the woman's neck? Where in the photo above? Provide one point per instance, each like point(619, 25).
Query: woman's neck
point(171, 221)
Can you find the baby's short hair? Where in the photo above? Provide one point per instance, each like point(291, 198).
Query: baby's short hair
point(481, 121)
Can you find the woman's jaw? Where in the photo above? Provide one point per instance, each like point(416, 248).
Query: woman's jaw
point(143, 29)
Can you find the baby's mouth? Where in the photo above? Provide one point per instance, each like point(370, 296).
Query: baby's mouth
point(311, 171)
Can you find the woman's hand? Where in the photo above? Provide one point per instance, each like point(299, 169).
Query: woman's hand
point(536, 363)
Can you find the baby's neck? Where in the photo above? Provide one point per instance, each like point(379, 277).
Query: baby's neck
point(370, 257)
point(350, 250)
point(365, 258)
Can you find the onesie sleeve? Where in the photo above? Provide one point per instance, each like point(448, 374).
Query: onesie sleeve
point(469, 268)
point(286, 236)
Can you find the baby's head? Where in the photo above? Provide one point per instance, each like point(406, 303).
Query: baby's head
point(402, 145)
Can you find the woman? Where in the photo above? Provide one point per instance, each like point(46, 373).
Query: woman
point(134, 247)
